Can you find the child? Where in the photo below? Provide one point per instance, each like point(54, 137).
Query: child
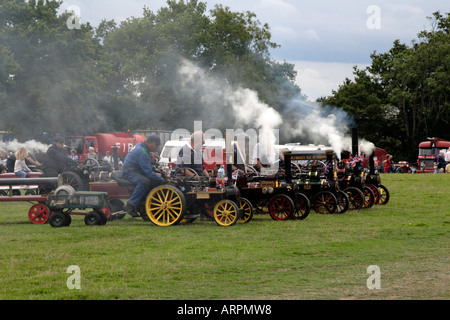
point(20, 167)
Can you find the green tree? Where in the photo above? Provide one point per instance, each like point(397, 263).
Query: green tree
point(229, 46)
point(60, 76)
point(403, 96)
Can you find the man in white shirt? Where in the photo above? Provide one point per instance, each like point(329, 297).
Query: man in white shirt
point(447, 156)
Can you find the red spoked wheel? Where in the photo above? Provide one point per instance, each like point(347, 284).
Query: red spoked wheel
point(375, 191)
point(39, 213)
point(281, 207)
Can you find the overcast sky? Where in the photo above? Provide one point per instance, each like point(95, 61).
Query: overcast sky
point(323, 38)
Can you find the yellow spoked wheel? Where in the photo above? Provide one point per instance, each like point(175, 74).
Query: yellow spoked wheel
point(166, 206)
point(247, 210)
point(226, 213)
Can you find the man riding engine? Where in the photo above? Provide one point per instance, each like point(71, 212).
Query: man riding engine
point(138, 169)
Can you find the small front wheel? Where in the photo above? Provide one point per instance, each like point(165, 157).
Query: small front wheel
point(324, 202)
point(384, 195)
point(226, 213)
point(355, 197)
point(343, 203)
point(302, 206)
point(281, 207)
point(247, 210)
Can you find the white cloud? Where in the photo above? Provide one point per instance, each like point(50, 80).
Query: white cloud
point(318, 79)
point(310, 35)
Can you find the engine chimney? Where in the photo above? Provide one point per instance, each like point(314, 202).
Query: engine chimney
point(287, 166)
point(355, 144)
point(372, 163)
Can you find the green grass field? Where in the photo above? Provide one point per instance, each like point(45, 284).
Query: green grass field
point(322, 257)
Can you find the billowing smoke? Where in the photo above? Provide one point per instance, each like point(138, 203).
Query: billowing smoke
point(308, 121)
point(320, 124)
point(366, 147)
point(247, 108)
point(32, 146)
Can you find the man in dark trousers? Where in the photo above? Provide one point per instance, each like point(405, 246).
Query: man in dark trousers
point(56, 159)
point(138, 169)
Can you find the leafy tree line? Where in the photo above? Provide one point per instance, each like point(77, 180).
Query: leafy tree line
point(57, 79)
point(117, 77)
point(403, 97)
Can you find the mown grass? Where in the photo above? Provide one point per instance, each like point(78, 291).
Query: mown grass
point(322, 257)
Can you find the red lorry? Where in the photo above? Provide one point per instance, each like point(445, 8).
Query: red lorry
point(103, 142)
point(428, 151)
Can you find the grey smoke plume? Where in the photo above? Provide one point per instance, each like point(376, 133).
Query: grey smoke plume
point(321, 124)
point(247, 107)
point(32, 146)
point(309, 121)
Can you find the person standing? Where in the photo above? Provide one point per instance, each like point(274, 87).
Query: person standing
point(138, 169)
point(388, 164)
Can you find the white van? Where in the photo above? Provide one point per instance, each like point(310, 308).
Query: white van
point(212, 151)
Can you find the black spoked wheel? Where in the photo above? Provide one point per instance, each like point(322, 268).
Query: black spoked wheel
point(324, 203)
point(343, 203)
point(355, 197)
point(302, 206)
point(74, 180)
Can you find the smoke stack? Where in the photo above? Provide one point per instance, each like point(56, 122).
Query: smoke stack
point(355, 144)
point(229, 158)
point(372, 163)
point(287, 166)
point(330, 154)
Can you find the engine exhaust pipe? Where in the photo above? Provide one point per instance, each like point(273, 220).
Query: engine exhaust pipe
point(287, 166)
point(355, 143)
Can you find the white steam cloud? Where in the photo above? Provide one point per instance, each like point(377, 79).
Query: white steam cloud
point(311, 121)
point(321, 124)
point(32, 146)
point(247, 107)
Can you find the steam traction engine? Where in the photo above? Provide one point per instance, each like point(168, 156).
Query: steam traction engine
point(184, 199)
point(277, 195)
point(321, 186)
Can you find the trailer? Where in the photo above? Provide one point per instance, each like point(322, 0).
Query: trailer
point(56, 207)
point(62, 205)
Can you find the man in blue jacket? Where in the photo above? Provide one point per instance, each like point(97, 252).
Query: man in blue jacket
point(138, 169)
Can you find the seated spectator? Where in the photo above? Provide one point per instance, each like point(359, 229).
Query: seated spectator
point(92, 154)
point(3, 160)
point(73, 154)
point(20, 167)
